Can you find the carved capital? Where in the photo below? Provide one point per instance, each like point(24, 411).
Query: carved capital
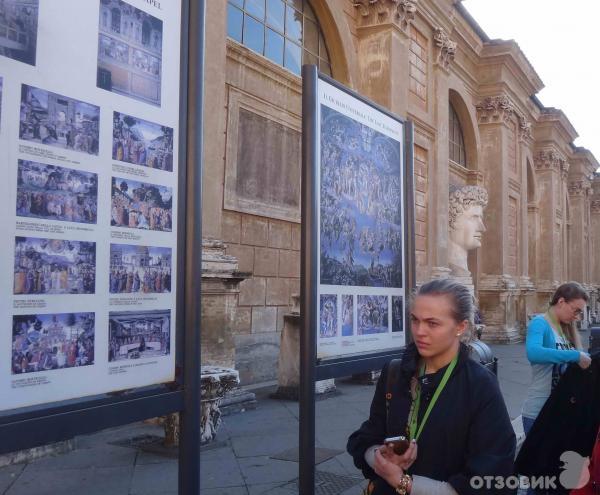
point(525, 129)
point(550, 159)
point(376, 12)
point(445, 48)
point(495, 110)
point(564, 169)
point(576, 188)
point(579, 187)
point(595, 206)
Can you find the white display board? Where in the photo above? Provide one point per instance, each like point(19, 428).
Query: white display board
point(361, 233)
point(89, 124)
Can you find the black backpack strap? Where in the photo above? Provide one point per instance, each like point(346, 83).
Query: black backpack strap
point(393, 376)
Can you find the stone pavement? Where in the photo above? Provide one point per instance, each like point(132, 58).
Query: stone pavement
point(246, 457)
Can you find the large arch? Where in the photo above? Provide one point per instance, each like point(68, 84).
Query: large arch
point(468, 122)
point(338, 38)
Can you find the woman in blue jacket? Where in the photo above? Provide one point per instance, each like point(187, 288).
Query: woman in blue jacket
point(553, 343)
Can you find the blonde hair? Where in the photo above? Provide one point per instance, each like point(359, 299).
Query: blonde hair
point(570, 331)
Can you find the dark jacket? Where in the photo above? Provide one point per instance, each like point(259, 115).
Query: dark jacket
point(568, 421)
point(468, 432)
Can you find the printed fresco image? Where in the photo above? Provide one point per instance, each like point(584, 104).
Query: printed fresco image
point(44, 342)
point(18, 29)
point(328, 320)
point(141, 142)
point(397, 314)
point(372, 314)
point(138, 205)
point(139, 269)
point(129, 51)
point(361, 225)
point(54, 266)
point(139, 334)
point(56, 193)
point(56, 120)
point(347, 316)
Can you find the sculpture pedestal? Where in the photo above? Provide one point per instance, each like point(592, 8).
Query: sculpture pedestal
point(499, 302)
point(289, 363)
point(466, 280)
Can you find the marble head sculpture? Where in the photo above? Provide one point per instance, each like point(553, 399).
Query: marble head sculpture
point(466, 225)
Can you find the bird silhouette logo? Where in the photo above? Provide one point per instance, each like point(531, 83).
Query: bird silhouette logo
point(576, 472)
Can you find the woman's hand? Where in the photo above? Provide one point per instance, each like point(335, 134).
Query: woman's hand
point(405, 460)
point(584, 360)
point(386, 469)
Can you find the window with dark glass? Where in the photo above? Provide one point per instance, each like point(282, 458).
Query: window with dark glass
point(456, 141)
point(284, 31)
point(146, 33)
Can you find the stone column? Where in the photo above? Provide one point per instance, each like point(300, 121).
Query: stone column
point(498, 291)
point(214, 118)
point(526, 305)
point(220, 288)
point(595, 240)
point(383, 33)
point(549, 167)
point(438, 211)
point(578, 192)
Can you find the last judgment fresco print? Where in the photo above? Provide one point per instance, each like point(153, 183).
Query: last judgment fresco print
point(361, 193)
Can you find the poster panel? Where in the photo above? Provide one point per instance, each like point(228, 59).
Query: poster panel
point(89, 117)
point(361, 236)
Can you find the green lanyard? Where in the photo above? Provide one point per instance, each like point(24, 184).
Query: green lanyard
point(414, 429)
point(557, 326)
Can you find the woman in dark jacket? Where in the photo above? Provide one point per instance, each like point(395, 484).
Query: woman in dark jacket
point(449, 406)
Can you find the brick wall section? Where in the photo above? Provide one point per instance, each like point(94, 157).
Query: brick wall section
point(417, 70)
point(421, 177)
point(270, 250)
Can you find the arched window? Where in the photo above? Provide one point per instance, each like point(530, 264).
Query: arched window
point(456, 140)
point(284, 31)
point(116, 20)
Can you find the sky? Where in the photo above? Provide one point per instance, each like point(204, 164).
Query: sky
point(560, 40)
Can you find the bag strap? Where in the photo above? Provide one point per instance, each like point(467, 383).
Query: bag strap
point(393, 374)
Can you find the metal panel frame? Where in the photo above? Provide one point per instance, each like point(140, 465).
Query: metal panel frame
point(312, 369)
point(28, 427)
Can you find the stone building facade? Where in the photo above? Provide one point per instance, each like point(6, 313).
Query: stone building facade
point(477, 122)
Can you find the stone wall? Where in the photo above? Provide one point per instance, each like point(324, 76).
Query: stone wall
point(415, 58)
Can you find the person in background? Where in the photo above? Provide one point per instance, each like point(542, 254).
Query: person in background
point(552, 343)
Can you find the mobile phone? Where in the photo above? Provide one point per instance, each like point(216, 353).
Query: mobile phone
point(399, 444)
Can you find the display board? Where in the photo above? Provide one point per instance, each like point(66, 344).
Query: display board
point(360, 227)
point(89, 117)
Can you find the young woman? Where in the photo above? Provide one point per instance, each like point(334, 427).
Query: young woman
point(552, 343)
point(448, 405)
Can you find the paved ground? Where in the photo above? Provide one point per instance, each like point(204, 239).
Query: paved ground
point(242, 461)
